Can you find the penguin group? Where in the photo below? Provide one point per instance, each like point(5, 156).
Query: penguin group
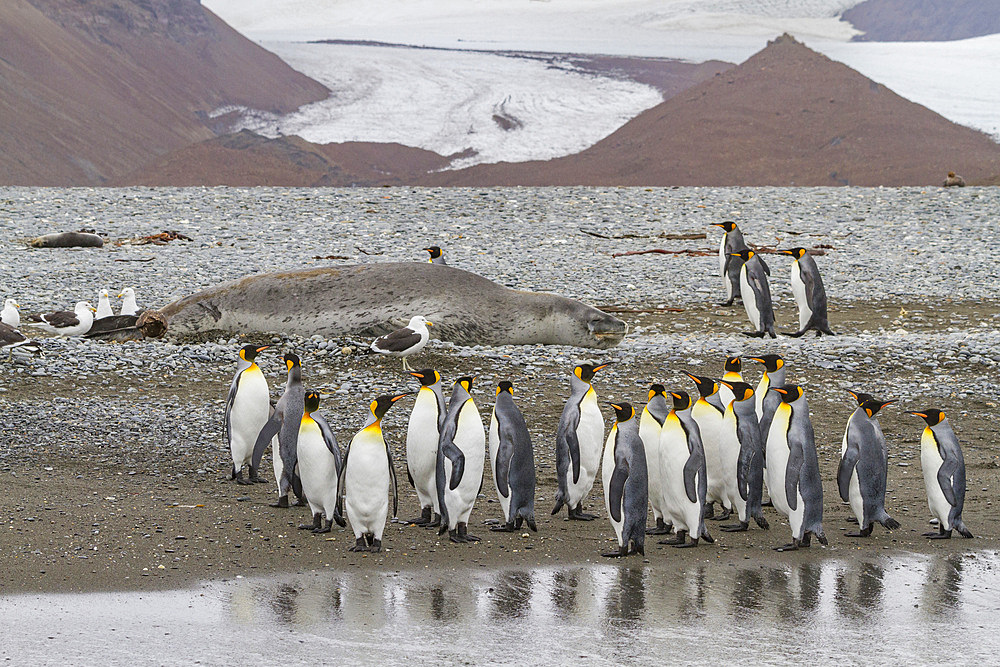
point(690, 460)
point(745, 276)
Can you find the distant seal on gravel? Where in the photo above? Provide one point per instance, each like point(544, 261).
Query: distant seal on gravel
point(370, 300)
point(68, 240)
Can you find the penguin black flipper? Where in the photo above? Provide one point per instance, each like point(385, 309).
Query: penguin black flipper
point(329, 438)
point(267, 433)
point(230, 399)
point(796, 457)
point(453, 453)
point(339, 507)
point(573, 443)
point(767, 269)
point(616, 490)
point(947, 476)
point(505, 454)
point(395, 487)
point(846, 469)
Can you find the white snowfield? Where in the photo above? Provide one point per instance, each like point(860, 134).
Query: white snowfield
point(445, 100)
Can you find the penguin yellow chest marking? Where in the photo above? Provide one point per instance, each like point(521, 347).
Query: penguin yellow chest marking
point(777, 456)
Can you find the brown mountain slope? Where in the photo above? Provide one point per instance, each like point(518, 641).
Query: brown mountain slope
point(786, 116)
point(923, 20)
point(92, 89)
point(246, 159)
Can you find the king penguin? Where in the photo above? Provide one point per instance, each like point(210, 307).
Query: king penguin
point(436, 255)
point(707, 412)
point(742, 457)
point(623, 473)
point(460, 460)
point(319, 467)
point(578, 443)
point(729, 262)
point(247, 410)
point(944, 474)
point(767, 401)
point(650, 423)
point(284, 422)
point(810, 296)
point(368, 477)
point(682, 466)
point(732, 372)
point(512, 461)
point(422, 436)
point(793, 469)
point(756, 294)
point(864, 468)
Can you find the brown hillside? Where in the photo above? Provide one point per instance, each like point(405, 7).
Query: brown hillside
point(246, 159)
point(923, 20)
point(91, 90)
point(786, 116)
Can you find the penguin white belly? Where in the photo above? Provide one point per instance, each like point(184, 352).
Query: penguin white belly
point(729, 459)
point(725, 393)
point(317, 470)
point(649, 433)
point(248, 414)
point(777, 458)
point(760, 393)
point(607, 470)
point(931, 462)
point(710, 425)
point(799, 292)
point(590, 436)
point(722, 268)
point(421, 448)
point(749, 299)
point(471, 439)
point(494, 438)
point(685, 515)
point(366, 486)
point(855, 499)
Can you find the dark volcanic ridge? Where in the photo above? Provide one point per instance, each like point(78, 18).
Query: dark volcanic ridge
point(788, 116)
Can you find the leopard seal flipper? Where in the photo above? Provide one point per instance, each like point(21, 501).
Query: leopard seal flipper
point(370, 300)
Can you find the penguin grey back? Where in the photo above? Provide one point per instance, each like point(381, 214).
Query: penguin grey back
point(802, 472)
point(567, 446)
point(515, 467)
point(757, 276)
point(952, 472)
point(750, 469)
point(866, 452)
point(630, 451)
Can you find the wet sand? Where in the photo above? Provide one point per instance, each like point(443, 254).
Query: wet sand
point(106, 511)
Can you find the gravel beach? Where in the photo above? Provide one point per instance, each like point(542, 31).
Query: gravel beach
point(113, 454)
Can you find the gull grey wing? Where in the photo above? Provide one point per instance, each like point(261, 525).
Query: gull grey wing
point(397, 341)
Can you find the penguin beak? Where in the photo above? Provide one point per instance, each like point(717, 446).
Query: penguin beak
point(757, 359)
point(693, 378)
point(729, 385)
point(787, 252)
point(918, 414)
point(399, 396)
point(783, 392)
point(718, 224)
point(417, 375)
point(597, 368)
point(261, 349)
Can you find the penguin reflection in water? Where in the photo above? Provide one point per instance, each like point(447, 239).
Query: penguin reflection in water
point(460, 461)
point(944, 474)
point(368, 477)
point(793, 469)
point(578, 444)
point(864, 466)
point(513, 462)
point(625, 483)
point(319, 467)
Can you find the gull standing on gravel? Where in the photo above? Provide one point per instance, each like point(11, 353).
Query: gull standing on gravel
point(69, 323)
point(406, 341)
point(104, 305)
point(129, 306)
point(10, 314)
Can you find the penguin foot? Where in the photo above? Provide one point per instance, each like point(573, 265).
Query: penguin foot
point(360, 545)
point(503, 528)
point(943, 535)
point(376, 546)
point(860, 533)
point(258, 480)
point(661, 528)
point(282, 502)
point(424, 519)
point(534, 528)
point(853, 520)
point(762, 522)
point(794, 546)
point(580, 515)
point(679, 539)
point(325, 529)
point(435, 522)
point(709, 510)
point(735, 527)
point(892, 524)
point(455, 537)
point(339, 519)
point(726, 513)
point(793, 334)
point(244, 482)
point(463, 533)
point(687, 545)
point(301, 502)
point(753, 334)
point(621, 553)
point(806, 541)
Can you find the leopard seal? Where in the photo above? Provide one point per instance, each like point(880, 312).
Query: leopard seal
point(370, 300)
